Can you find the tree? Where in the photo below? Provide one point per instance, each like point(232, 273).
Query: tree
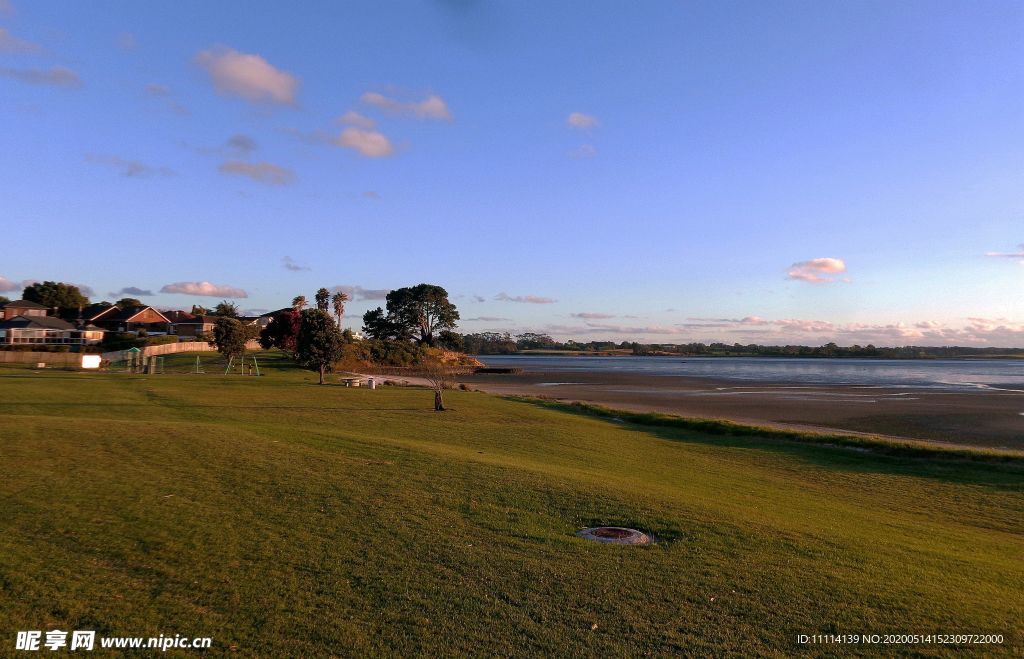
point(55, 294)
point(226, 309)
point(229, 336)
point(338, 302)
point(322, 298)
point(299, 302)
point(439, 375)
point(200, 311)
point(129, 303)
point(380, 327)
point(450, 340)
point(4, 299)
point(319, 343)
point(282, 331)
point(417, 310)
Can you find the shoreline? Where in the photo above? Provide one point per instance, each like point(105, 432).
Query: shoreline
point(989, 418)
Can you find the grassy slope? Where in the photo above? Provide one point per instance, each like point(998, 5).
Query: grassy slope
point(290, 519)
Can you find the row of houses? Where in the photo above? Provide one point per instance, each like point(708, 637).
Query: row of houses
point(26, 323)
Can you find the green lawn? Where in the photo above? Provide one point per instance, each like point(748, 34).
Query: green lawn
point(289, 519)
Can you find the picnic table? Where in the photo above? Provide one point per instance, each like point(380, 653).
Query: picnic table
point(352, 381)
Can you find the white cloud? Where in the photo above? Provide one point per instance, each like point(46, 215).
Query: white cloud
point(432, 107)
point(977, 331)
point(488, 319)
point(353, 118)
point(154, 89)
point(242, 144)
point(6, 285)
point(581, 120)
point(290, 264)
point(12, 44)
point(129, 168)
point(203, 288)
point(1009, 255)
point(263, 172)
point(593, 315)
point(817, 271)
point(248, 76)
point(58, 76)
point(584, 151)
point(133, 291)
point(369, 143)
point(528, 299)
point(127, 41)
point(360, 293)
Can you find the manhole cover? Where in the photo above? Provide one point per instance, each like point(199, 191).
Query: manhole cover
point(616, 535)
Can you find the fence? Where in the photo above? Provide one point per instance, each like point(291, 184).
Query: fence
point(51, 359)
point(170, 349)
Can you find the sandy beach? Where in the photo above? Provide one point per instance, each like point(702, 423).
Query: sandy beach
point(988, 418)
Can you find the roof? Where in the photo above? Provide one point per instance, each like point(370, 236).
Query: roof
point(126, 315)
point(94, 311)
point(180, 317)
point(24, 304)
point(36, 322)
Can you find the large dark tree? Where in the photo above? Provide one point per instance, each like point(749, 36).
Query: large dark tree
point(414, 312)
point(55, 294)
point(282, 331)
point(319, 343)
point(380, 326)
point(129, 303)
point(229, 336)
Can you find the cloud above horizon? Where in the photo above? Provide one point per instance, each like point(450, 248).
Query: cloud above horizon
point(587, 315)
point(12, 44)
point(203, 288)
point(7, 286)
point(369, 143)
point(357, 293)
point(247, 76)
point(975, 331)
point(129, 168)
point(242, 144)
point(353, 118)
point(817, 271)
point(527, 299)
point(262, 172)
point(432, 107)
point(582, 120)
point(57, 76)
point(290, 264)
point(1009, 255)
point(584, 151)
point(132, 290)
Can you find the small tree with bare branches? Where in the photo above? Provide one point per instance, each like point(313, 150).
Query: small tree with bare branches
point(440, 376)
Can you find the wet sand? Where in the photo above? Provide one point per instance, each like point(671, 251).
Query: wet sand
point(989, 418)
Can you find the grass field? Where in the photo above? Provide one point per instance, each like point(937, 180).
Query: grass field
point(282, 518)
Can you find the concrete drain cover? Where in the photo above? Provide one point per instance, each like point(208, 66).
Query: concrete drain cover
point(616, 535)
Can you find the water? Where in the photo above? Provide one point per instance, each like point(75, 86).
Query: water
point(949, 374)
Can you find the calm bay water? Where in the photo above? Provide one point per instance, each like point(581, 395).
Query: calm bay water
point(941, 374)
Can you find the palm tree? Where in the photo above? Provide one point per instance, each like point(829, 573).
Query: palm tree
point(339, 301)
point(298, 302)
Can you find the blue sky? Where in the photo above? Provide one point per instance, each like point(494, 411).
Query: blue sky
point(665, 171)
